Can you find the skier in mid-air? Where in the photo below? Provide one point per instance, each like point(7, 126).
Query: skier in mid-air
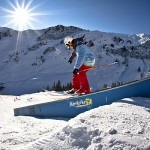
point(84, 62)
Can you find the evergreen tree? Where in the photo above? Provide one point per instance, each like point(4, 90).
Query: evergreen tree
point(105, 86)
point(113, 85)
point(139, 69)
point(57, 86)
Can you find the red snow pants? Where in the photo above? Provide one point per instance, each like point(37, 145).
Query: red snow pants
point(80, 82)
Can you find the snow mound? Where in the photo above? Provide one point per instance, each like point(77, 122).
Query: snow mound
point(121, 125)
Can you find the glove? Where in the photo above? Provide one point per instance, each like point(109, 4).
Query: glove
point(69, 61)
point(75, 71)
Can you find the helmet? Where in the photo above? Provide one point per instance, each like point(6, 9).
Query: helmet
point(68, 40)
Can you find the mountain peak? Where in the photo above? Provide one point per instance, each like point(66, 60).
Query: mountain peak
point(58, 32)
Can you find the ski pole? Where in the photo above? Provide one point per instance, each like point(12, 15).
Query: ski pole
point(105, 65)
point(100, 66)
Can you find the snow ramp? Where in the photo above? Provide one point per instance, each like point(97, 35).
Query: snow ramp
point(71, 107)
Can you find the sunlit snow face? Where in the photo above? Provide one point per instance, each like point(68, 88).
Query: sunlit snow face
point(22, 15)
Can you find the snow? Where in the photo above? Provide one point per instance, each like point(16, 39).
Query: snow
point(124, 124)
point(32, 60)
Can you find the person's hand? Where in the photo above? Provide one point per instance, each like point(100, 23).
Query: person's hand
point(69, 61)
point(75, 71)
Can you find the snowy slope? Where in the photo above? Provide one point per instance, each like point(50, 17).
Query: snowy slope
point(125, 124)
point(32, 60)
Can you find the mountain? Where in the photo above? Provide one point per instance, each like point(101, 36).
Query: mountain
point(34, 59)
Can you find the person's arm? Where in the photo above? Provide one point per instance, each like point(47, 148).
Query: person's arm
point(80, 58)
point(73, 55)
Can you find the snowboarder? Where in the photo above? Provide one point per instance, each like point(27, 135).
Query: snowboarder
point(84, 62)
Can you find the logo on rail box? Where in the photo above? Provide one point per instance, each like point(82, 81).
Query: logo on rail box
point(81, 103)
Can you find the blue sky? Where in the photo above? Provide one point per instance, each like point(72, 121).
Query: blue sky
point(119, 16)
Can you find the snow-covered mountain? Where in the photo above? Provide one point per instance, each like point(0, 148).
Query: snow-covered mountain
point(32, 60)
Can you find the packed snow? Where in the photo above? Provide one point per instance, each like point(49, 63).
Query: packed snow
point(124, 124)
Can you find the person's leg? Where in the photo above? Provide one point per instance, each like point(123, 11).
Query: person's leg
point(75, 82)
point(82, 77)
